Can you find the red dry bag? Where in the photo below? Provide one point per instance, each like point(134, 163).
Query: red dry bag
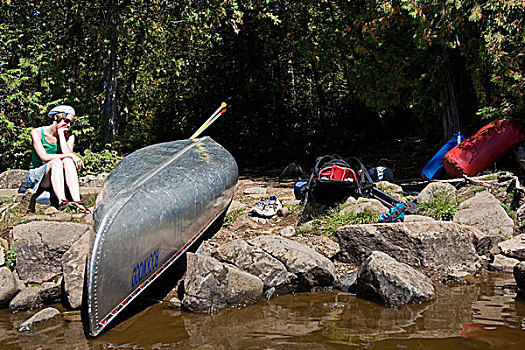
point(483, 148)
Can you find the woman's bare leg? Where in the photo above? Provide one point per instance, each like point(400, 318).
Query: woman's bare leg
point(71, 175)
point(54, 178)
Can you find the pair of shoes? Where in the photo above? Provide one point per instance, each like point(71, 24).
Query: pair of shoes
point(267, 207)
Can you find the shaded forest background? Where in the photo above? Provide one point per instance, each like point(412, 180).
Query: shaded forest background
point(301, 78)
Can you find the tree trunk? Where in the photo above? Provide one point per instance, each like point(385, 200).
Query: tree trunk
point(451, 110)
point(321, 100)
point(109, 106)
point(451, 114)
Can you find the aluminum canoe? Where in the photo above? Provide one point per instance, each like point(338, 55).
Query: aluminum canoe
point(154, 205)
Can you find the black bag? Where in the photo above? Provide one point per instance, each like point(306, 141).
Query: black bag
point(334, 179)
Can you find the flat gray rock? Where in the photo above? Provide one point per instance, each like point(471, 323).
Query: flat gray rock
point(514, 247)
point(418, 218)
point(434, 247)
point(39, 318)
point(211, 285)
point(256, 261)
point(311, 268)
point(503, 263)
point(40, 247)
point(73, 266)
point(386, 281)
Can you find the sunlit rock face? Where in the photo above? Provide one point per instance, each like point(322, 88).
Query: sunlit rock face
point(435, 248)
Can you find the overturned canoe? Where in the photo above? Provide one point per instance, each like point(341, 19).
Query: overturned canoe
point(154, 205)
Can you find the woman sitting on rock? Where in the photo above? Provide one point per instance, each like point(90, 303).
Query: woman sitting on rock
point(53, 163)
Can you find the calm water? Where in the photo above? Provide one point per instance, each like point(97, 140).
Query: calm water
point(486, 316)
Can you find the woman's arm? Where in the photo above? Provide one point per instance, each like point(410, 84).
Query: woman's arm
point(67, 141)
point(40, 150)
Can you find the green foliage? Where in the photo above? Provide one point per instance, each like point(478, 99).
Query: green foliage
point(439, 208)
point(478, 189)
point(328, 223)
point(10, 259)
point(298, 70)
point(232, 215)
point(511, 213)
point(99, 162)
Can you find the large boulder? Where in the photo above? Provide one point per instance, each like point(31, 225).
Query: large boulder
point(519, 275)
point(211, 285)
point(437, 248)
point(11, 179)
point(437, 189)
point(8, 286)
point(73, 266)
point(386, 281)
point(514, 247)
point(484, 211)
point(256, 261)
point(40, 246)
point(311, 268)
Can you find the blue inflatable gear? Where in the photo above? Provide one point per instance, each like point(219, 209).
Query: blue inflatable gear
point(434, 168)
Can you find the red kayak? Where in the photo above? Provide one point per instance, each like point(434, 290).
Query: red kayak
point(483, 148)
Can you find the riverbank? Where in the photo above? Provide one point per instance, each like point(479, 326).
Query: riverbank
point(239, 224)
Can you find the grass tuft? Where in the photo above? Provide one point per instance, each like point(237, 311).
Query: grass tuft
point(439, 208)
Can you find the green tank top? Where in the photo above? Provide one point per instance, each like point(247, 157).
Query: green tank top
point(50, 149)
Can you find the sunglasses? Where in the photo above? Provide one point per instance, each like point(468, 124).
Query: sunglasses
point(66, 120)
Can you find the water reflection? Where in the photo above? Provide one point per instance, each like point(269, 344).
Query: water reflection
point(470, 317)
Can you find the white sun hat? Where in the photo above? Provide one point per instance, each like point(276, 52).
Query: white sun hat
point(61, 109)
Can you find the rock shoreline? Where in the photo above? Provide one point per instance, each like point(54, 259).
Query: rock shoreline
point(253, 258)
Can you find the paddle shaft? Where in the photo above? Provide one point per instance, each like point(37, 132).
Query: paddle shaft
point(210, 120)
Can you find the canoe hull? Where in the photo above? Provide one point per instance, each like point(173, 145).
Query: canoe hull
point(154, 205)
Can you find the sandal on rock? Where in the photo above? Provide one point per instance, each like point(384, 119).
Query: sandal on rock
point(63, 204)
point(79, 206)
